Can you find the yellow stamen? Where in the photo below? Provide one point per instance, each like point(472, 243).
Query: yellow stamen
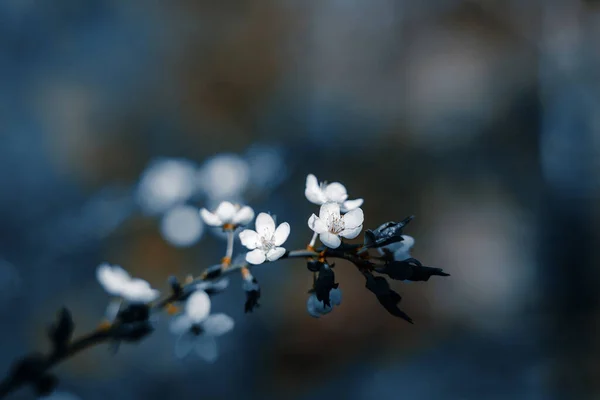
point(228, 227)
point(245, 273)
point(226, 261)
point(104, 325)
point(172, 309)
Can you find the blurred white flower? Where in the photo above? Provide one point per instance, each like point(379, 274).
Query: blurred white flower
point(334, 192)
point(228, 214)
point(266, 241)
point(224, 176)
point(401, 249)
point(267, 166)
point(330, 224)
point(117, 282)
point(181, 226)
point(197, 329)
point(59, 396)
point(166, 183)
point(317, 308)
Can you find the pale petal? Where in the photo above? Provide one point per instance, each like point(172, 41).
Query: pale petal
point(249, 238)
point(350, 205)
point(206, 348)
point(317, 224)
point(281, 233)
point(335, 295)
point(225, 211)
point(336, 192)
point(401, 249)
point(311, 307)
point(112, 279)
point(329, 211)
point(351, 233)
point(218, 324)
point(265, 225)
point(330, 240)
point(275, 254)
point(256, 257)
point(184, 344)
point(139, 291)
point(197, 306)
point(244, 216)
point(313, 191)
point(180, 324)
point(353, 218)
point(210, 218)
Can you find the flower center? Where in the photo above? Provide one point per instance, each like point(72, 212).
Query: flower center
point(267, 244)
point(336, 224)
point(196, 330)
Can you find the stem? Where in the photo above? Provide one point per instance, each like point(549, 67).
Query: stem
point(101, 335)
point(229, 251)
point(313, 240)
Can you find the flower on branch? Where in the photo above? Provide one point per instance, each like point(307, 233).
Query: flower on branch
point(317, 308)
point(330, 224)
point(197, 329)
point(266, 241)
point(321, 193)
point(228, 215)
point(117, 282)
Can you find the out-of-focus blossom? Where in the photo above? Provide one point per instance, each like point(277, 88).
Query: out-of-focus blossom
point(224, 176)
point(228, 214)
point(266, 241)
point(267, 166)
point(59, 396)
point(401, 249)
point(333, 192)
point(181, 226)
point(166, 183)
point(197, 329)
point(317, 308)
point(330, 224)
point(117, 282)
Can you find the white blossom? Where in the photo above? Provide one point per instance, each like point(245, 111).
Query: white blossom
point(401, 249)
point(117, 282)
point(335, 192)
point(224, 176)
point(181, 226)
point(330, 224)
point(266, 241)
point(197, 329)
point(228, 214)
point(317, 308)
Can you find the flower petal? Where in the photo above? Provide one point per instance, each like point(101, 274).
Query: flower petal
point(330, 240)
point(335, 295)
point(275, 254)
point(180, 324)
point(336, 192)
point(112, 278)
point(351, 233)
point(311, 306)
point(317, 224)
point(313, 191)
point(250, 239)
point(225, 211)
point(206, 348)
point(218, 324)
point(244, 216)
point(139, 291)
point(256, 257)
point(353, 218)
point(184, 345)
point(197, 306)
point(265, 225)
point(350, 205)
point(329, 211)
point(281, 233)
point(403, 252)
point(210, 218)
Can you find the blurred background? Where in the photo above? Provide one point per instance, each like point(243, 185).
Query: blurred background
point(119, 119)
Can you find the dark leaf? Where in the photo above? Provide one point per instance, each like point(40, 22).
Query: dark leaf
point(388, 298)
point(60, 333)
point(45, 385)
point(252, 289)
point(324, 284)
point(175, 286)
point(314, 265)
point(388, 233)
point(410, 269)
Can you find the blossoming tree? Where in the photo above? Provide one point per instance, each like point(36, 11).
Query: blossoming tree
point(384, 252)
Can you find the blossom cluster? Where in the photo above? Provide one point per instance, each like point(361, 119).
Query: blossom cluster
point(130, 316)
